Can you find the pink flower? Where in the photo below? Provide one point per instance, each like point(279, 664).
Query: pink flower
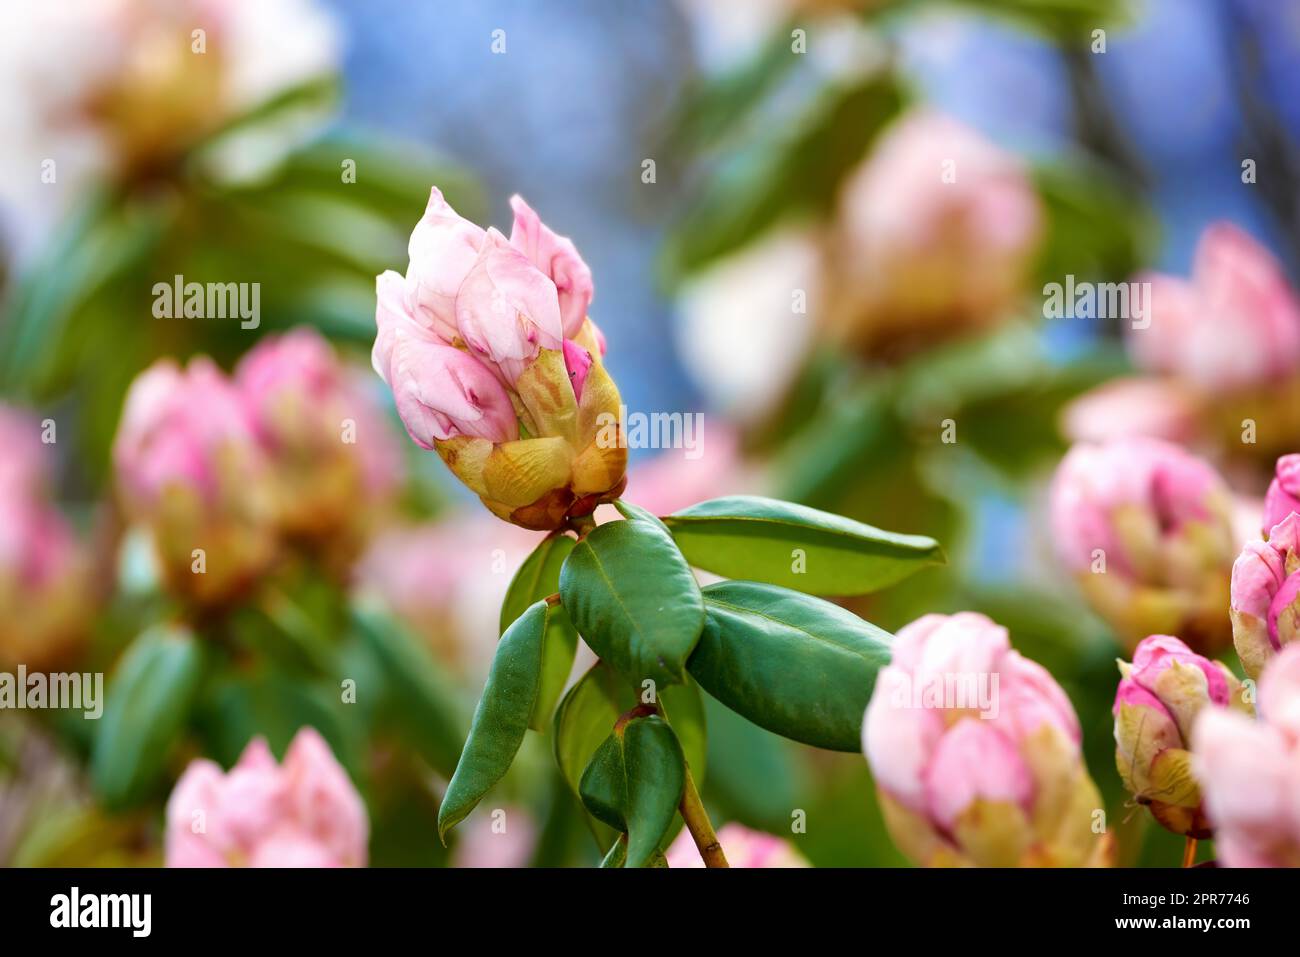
point(189, 466)
point(302, 813)
point(975, 751)
point(1265, 595)
point(1248, 772)
point(742, 846)
point(181, 428)
point(1147, 532)
point(1157, 702)
point(335, 463)
point(1131, 407)
point(24, 467)
point(482, 349)
point(441, 391)
point(1283, 496)
point(558, 259)
point(1233, 325)
point(939, 230)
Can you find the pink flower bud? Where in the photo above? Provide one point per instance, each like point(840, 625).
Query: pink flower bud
point(189, 466)
point(24, 466)
point(938, 233)
point(558, 259)
point(518, 357)
point(1283, 496)
point(496, 838)
point(742, 846)
point(1233, 325)
point(1126, 408)
point(302, 813)
point(1246, 771)
point(1265, 595)
point(335, 464)
point(975, 752)
point(1156, 704)
point(1147, 532)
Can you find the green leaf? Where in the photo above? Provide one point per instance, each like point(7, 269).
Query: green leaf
point(501, 719)
point(744, 536)
point(796, 665)
point(635, 512)
point(617, 855)
point(538, 578)
point(592, 706)
point(148, 704)
point(633, 598)
point(634, 784)
point(428, 706)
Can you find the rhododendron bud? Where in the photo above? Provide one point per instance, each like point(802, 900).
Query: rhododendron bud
point(1147, 532)
point(496, 838)
point(189, 466)
point(975, 751)
point(1283, 496)
point(302, 813)
point(1265, 595)
point(1247, 772)
point(497, 371)
point(1233, 325)
point(1156, 705)
point(1125, 408)
point(334, 463)
point(44, 573)
point(939, 229)
point(742, 846)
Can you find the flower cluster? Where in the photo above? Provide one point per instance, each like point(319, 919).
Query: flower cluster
point(302, 813)
point(1160, 696)
point(493, 362)
point(222, 470)
point(1146, 530)
point(975, 751)
point(1265, 597)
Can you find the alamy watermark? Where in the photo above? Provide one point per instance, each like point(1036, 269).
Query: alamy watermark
point(1130, 301)
point(214, 300)
point(654, 430)
point(75, 691)
point(960, 690)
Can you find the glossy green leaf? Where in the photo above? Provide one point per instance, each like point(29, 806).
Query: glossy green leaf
point(796, 665)
point(764, 539)
point(538, 578)
point(633, 598)
point(501, 719)
point(616, 856)
point(635, 512)
point(634, 784)
point(428, 707)
point(588, 712)
point(148, 703)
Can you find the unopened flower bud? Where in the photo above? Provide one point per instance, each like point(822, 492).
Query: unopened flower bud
point(1146, 530)
point(1265, 597)
point(1158, 700)
point(742, 846)
point(493, 363)
point(975, 751)
point(1247, 772)
point(190, 468)
point(334, 463)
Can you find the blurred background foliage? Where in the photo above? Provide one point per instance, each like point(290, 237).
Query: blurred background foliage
point(1131, 153)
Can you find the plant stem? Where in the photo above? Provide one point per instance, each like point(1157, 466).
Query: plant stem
point(693, 813)
point(698, 823)
point(1189, 852)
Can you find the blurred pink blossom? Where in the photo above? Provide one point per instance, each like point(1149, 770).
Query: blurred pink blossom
point(302, 813)
point(1247, 771)
point(1265, 595)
